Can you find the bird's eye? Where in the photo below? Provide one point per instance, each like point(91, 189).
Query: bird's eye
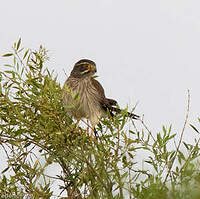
point(83, 67)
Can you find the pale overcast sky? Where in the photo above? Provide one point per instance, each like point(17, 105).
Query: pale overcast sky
point(145, 50)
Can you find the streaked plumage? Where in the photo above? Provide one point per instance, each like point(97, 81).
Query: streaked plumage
point(85, 97)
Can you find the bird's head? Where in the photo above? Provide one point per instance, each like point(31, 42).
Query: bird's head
point(84, 68)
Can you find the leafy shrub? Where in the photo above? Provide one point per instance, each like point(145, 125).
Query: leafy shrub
point(34, 126)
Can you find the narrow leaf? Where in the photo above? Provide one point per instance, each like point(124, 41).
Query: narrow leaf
point(25, 54)
point(18, 43)
point(7, 55)
point(194, 128)
point(6, 169)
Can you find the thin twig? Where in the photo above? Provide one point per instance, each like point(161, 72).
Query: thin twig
point(181, 138)
point(145, 126)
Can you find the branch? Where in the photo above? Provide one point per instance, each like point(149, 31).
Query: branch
point(181, 138)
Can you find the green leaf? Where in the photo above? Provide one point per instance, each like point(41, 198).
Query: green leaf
point(21, 50)
point(130, 155)
point(186, 145)
point(27, 144)
point(164, 130)
point(8, 65)
point(132, 132)
point(124, 160)
point(132, 149)
point(130, 141)
point(95, 76)
point(18, 43)
point(170, 128)
point(14, 61)
point(172, 154)
point(194, 128)
point(154, 144)
point(159, 139)
point(7, 55)
point(77, 96)
point(181, 155)
point(4, 180)
point(6, 169)
point(172, 136)
point(25, 54)
point(18, 168)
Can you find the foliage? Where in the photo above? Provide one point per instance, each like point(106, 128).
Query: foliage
point(34, 126)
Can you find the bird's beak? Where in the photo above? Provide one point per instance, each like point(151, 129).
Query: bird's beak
point(92, 68)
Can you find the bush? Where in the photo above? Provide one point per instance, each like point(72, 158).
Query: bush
point(35, 127)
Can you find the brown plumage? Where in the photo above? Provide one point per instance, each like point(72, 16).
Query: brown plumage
point(85, 97)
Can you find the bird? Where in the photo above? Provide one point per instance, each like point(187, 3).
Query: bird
point(84, 96)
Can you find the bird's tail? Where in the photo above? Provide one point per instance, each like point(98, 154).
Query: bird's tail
point(131, 115)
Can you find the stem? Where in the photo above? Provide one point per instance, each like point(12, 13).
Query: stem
point(181, 138)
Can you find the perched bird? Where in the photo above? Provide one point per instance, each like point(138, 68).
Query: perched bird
point(84, 97)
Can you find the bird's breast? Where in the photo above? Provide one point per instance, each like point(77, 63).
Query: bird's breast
point(84, 100)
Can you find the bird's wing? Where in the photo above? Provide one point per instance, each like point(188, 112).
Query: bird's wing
point(101, 94)
point(98, 87)
point(112, 102)
point(107, 104)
